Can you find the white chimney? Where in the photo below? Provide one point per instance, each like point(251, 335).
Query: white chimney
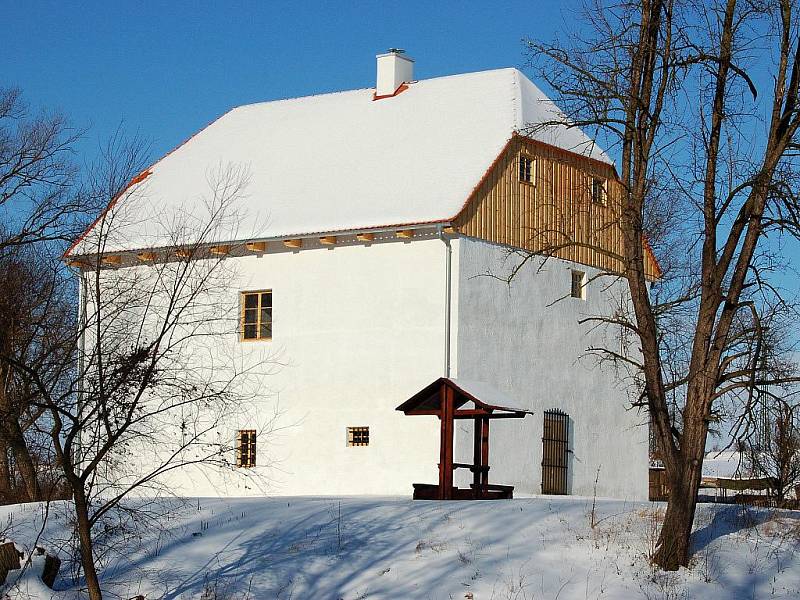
point(394, 69)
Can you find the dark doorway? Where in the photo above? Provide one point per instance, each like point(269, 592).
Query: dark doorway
point(555, 452)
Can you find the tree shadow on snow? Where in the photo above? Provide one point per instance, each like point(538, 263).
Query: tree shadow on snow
point(733, 518)
point(319, 550)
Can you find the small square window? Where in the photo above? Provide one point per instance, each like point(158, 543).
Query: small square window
point(256, 321)
point(358, 436)
point(598, 190)
point(246, 448)
point(578, 289)
point(527, 169)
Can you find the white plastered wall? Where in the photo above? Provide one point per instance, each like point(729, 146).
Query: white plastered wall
point(526, 342)
point(358, 328)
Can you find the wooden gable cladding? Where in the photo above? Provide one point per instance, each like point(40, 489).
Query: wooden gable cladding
point(553, 214)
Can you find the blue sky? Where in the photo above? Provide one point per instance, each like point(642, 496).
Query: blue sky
point(166, 69)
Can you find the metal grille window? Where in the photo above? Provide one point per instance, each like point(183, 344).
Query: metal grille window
point(527, 169)
point(555, 452)
point(578, 286)
point(246, 448)
point(256, 315)
point(358, 436)
point(598, 190)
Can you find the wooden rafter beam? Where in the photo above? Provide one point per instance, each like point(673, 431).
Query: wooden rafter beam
point(487, 415)
point(295, 243)
point(256, 246)
point(365, 237)
point(328, 240)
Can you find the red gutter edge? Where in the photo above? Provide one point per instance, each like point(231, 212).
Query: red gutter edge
point(649, 249)
point(138, 179)
point(403, 87)
point(484, 177)
point(590, 159)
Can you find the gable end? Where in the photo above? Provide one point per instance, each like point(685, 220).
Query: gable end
point(561, 212)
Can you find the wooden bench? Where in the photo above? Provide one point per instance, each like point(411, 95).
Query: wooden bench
point(491, 491)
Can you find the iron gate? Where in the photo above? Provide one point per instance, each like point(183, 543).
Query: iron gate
point(555, 452)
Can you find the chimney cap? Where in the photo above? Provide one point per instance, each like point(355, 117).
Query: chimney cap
point(398, 52)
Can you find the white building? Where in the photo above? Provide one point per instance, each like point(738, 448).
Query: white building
point(380, 223)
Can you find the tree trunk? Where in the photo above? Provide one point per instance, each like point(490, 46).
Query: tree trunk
point(14, 440)
point(6, 485)
point(24, 462)
point(683, 474)
point(673, 548)
point(85, 541)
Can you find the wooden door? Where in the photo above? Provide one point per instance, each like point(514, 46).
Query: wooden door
point(555, 452)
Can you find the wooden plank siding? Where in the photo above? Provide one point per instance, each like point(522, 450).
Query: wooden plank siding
point(554, 214)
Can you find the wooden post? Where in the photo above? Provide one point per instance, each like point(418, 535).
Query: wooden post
point(484, 450)
point(446, 444)
point(442, 427)
point(477, 459)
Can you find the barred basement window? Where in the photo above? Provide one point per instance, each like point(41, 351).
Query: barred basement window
point(358, 436)
point(246, 448)
point(256, 322)
point(527, 169)
point(598, 190)
point(578, 289)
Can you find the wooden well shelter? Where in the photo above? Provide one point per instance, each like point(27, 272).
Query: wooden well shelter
point(448, 400)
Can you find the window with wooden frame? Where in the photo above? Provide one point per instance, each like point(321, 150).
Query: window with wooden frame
point(578, 287)
point(358, 436)
point(246, 448)
point(256, 318)
point(527, 169)
point(598, 190)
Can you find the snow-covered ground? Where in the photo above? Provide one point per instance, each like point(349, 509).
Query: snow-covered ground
point(359, 548)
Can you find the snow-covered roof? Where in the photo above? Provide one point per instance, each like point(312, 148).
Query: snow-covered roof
point(722, 464)
point(343, 161)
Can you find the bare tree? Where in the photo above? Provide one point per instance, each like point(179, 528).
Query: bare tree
point(157, 389)
point(37, 175)
point(773, 451)
point(42, 209)
point(675, 88)
point(37, 320)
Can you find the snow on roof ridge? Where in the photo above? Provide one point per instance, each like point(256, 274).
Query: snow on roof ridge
point(294, 98)
point(516, 101)
point(369, 89)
